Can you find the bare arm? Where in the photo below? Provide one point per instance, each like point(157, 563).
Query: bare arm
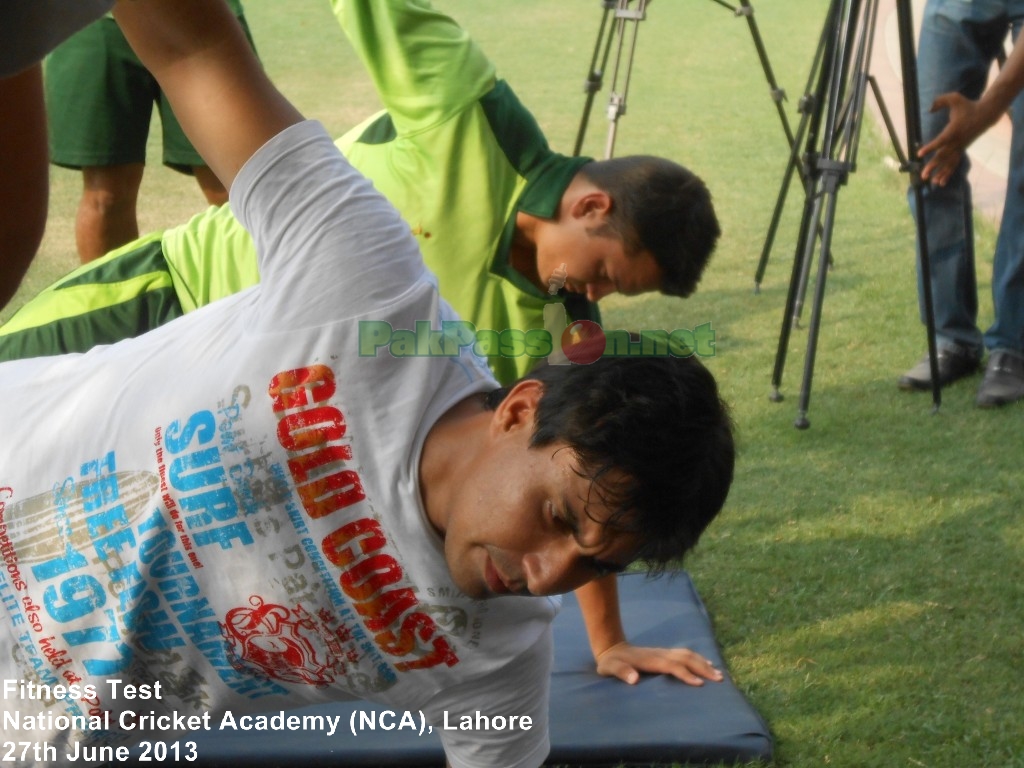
point(199, 55)
point(969, 119)
point(617, 657)
point(24, 176)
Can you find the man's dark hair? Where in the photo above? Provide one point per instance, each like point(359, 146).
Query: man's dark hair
point(653, 436)
point(661, 207)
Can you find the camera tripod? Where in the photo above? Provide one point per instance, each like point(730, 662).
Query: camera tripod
point(625, 23)
point(832, 114)
point(832, 111)
point(624, 17)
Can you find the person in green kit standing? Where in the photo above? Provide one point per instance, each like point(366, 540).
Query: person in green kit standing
point(100, 99)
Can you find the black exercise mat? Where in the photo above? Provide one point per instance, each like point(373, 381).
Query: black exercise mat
point(594, 720)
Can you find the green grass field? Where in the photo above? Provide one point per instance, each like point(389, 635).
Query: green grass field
point(865, 578)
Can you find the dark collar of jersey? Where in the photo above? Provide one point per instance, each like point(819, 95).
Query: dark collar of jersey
point(547, 173)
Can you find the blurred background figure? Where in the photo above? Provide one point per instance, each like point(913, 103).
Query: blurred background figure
point(100, 100)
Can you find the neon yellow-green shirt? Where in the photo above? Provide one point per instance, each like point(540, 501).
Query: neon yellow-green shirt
point(455, 151)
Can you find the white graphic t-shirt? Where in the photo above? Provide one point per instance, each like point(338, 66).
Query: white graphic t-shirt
point(226, 510)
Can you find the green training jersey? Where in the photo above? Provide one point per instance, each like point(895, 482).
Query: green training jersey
point(454, 150)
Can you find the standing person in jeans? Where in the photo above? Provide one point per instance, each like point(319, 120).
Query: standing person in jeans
point(959, 42)
point(100, 100)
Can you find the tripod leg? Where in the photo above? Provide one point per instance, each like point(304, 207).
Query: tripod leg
point(911, 98)
point(810, 108)
point(844, 124)
point(804, 253)
point(831, 188)
point(801, 286)
point(617, 100)
point(890, 127)
point(780, 203)
point(595, 77)
point(825, 70)
point(839, 151)
point(778, 95)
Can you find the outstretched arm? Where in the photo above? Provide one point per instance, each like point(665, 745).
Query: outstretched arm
point(24, 169)
point(969, 119)
point(219, 92)
point(617, 657)
point(424, 66)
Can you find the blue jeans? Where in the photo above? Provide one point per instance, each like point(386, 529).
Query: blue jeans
point(959, 41)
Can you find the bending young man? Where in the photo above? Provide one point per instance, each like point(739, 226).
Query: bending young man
point(495, 212)
point(260, 518)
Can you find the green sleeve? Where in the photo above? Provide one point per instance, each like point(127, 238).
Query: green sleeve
point(209, 257)
point(423, 65)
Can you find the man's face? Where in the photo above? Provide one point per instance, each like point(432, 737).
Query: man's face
point(595, 264)
point(524, 521)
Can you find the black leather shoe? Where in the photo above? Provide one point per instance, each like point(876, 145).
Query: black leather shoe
point(955, 362)
point(1003, 382)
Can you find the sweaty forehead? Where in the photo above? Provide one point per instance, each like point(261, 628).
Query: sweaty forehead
point(617, 547)
point(599, 501)
point(605, 529)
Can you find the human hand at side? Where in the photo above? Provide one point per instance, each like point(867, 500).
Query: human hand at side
point(967, 120)
point(627, 662)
